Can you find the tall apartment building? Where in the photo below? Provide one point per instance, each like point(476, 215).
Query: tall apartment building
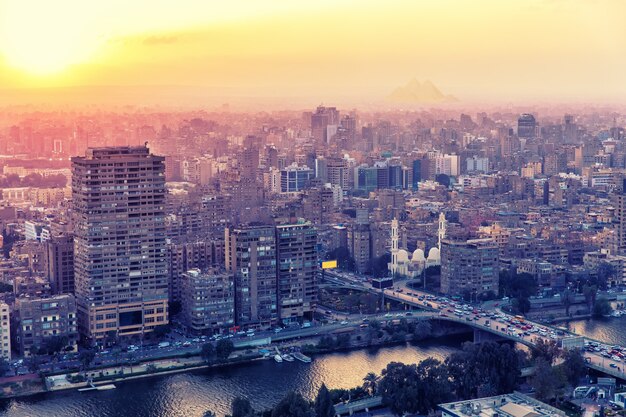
point(5, 332)
point(120, 253)
point(359, 245)
point(60, 252)
point(208, 300)
point(469, 267)
point(39, 320)
point(250, 255)
point(187, 253)
point(620, 220)
point(297, 270)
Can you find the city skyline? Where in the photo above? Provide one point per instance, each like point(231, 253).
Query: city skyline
point(544, 50)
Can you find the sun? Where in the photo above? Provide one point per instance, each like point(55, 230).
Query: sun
point(42, 38)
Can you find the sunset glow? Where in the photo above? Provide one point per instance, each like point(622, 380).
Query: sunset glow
point(363, 48)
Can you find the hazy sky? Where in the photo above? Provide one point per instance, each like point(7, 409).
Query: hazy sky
point(474, 49)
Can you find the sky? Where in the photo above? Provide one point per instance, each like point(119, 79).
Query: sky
point(500, 50)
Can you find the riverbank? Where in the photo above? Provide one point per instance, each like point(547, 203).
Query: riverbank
point(357, 340)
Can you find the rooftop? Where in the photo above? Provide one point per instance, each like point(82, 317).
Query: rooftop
point(508, 405)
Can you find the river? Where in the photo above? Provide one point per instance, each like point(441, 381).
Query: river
point(264, 382)
point(191, 394)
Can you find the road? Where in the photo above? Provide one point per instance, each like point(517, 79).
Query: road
point(488, 317)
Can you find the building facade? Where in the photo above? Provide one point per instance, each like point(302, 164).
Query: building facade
point(120, 262)
point(297, 270)
point(469, 267)
point(250, 256)
point(208, 301)
point(60, 252)
point(40, 320)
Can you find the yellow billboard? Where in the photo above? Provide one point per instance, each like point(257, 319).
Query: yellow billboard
point(329, 264)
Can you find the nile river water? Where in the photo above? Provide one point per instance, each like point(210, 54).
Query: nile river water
point(264, 382)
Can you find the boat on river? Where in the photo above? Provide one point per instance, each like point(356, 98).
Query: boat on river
point(302, 357)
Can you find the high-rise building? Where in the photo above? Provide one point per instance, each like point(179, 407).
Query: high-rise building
point(297, 269)
point(120, 252)
point(360, 246)
point(208, 301)
point(620, 219)
point(526, 126)
point(295, 178)
point(250, 255)
point(469, 267)
point(321, 120)
point(60, 253)
point(570, 130)
point(5, 331)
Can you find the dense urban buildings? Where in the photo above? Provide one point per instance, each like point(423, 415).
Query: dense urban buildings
point(41, 322)
point(121, 279)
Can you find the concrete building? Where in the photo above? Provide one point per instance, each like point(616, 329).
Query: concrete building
point(5, 331)
point(297, 270)
point(359, 246)
point(620, 220)
point(250, 255)
point(60, 252)
point(508, 405)
point(184, 254)
point(120, 262)
point(526, 126)
point(295, 178)
point(469, 266)
point(41, 320)
point(208, 301)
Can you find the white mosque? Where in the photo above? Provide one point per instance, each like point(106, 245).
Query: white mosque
point(403, 266)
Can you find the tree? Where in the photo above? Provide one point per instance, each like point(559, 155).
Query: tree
point(483, 367)
point(224, 348)
point(370, 383)
point(548, 351)
point(175, 307)
point(4, 287)
point(520, 304)
point(380, 265)
point(590, 292)
point(240, 407)
point(574, 367)
point(52, 345)
point(342, 255)
point(161, 331)
point(422, 331)
point(519, 287)
point(443, 179)
point(207, 353)
point(547, 381)
point(86, 357)
point(605, 272)
point(293, 405)
point(323, 403)
point(415, 388)
point(601, 307)
point(567, 299)
point(4, 367)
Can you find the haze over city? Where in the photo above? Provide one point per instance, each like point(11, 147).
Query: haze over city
point(485, 50)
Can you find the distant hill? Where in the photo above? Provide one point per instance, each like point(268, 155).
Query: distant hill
point(416, 92)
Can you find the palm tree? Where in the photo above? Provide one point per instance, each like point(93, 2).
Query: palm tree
point(370, 383)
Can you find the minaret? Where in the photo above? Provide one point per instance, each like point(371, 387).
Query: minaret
point(442, 229)
point(393, 267)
